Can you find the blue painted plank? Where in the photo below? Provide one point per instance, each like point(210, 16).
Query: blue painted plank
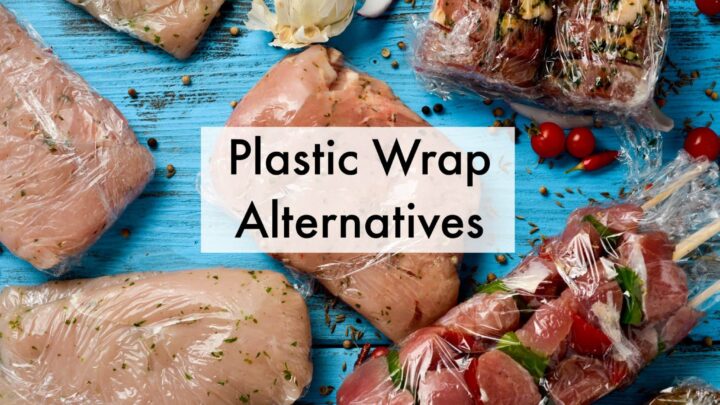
point(164, 222)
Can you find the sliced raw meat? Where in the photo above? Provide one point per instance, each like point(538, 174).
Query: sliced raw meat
point(70, 162)
point(176, 26)
point(679, 325)
point(370, 384)
point(495, 378)
point(165, 338)
point(444, 387)
point(665, 288)
point(548, 328)
point(398, 294)
point(432, 347)
point(578, 381)
point(484, 316)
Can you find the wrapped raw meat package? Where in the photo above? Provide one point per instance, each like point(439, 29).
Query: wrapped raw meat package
point(186, 337)
point(573, 56)
point(70, 163)
point(176, 26)
point(397, 293)
point(578, 318)
point(689, 392)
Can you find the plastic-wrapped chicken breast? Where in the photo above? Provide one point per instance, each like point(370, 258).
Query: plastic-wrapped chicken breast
point(70, 163)
point(190, 337)
point(176, 26)
point(397, 293)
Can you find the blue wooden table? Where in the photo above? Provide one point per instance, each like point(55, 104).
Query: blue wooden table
point(164, 222)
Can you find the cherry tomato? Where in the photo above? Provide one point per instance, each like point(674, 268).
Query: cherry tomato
point(580, 142)
point(703, 142)
point(708, 7)
point(379, 352)
point(549, 141)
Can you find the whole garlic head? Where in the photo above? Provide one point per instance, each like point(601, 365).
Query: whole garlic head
point(299, 23)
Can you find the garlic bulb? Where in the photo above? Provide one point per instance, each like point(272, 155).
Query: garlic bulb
point(299, 23)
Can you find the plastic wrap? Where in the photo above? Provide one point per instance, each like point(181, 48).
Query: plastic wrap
point(188, 337)
point(689, 392)
point(396, 293)
point(578, 318)
point(176, 26)
point(70, 163)
point(596, 56)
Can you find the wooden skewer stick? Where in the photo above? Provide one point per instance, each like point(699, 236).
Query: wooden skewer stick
point(705, 295)
point(690, 243)
point(676, 185)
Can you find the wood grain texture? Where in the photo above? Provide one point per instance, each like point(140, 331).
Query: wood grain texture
point(164, 222)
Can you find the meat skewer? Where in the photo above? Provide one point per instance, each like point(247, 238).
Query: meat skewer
point(580, 343)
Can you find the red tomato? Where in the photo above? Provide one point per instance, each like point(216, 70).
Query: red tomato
point(549, 141)
point(580, 142)
point(472, 382)
point(380, 352)
point(703, 142)
point(708, 7)
point(587, 339)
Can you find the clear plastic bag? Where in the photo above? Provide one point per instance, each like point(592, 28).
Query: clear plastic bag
point(578, 318)
point(186, 337)
point(691, 391)
point(176, 26)
point(70, 162)
point(583, 56)
point(397, 293)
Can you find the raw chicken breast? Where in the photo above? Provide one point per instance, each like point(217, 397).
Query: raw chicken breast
point(70, 163)
point(398, 293)
point(189, 337)
point(176, 26)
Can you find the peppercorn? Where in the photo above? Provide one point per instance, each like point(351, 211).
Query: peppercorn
point(426, 110)
point(132, 93)
point(714, 96)
point(394, 64)
point(501, 259)
point(708, 92)
point(497, 123)
point(487, 101)
point(498, 112)
point(125, 233)
point(234, 31)
point(170, 171)
point(708, 342)
point(347, 344)
point(385, 53)
point(233, 104)
point(401, 45)
point(152, 143)
point(543, 191)
point(438, 108)
point(186, 80)
point(491, 277)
